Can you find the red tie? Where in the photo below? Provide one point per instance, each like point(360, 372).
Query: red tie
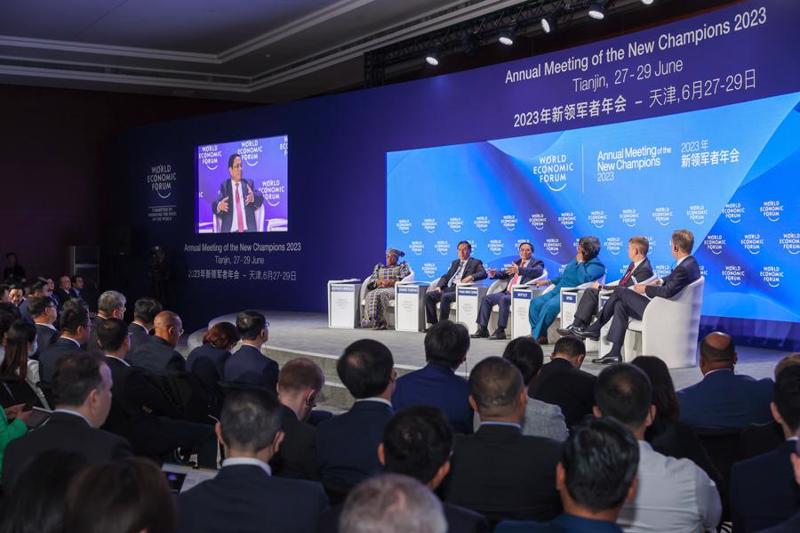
point(238, 207)
point(627, 275)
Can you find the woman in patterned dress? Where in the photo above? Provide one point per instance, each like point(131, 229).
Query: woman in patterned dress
point(380, 289)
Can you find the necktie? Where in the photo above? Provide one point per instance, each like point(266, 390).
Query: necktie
point(238, 208)
point(457, 276)
point(627, 275)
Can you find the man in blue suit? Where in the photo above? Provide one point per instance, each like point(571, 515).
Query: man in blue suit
point(237, 201)
point(244, 496)
point(764, 491)
point(347, 445)
point(724, 400)
point(584, 268)
point(437, 385)
point(465, 269)
point(596, 476)
point(248, 366)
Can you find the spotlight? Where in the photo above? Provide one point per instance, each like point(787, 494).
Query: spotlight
point(506, 37)
point(548, 24)
point(597, 11)
point(432, 60)
point(648, 2)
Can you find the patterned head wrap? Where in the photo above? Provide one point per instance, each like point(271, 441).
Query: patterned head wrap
point(395, 251)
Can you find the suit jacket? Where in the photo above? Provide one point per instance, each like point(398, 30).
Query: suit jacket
point(764, 492)
point(226, 189)
point(571, 389)
point(157, 356)
point(532, 271)
point(347, 445)
point(62, 296)
point(474, 268)
point(297, 456)
point(208, 364)
point(50, 355)
point(725, 400)
point(503, 474)
point(436, 385)
point(564, 523)
point(44, 337)
point(681, 276)
point(24, 313)
point(459, 520)
point(640, 273)
point(63, 431)
point(138, 335)
point(248, 366)
point(245, 499)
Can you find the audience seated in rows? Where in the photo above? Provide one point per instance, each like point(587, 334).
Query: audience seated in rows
point(75, 328)
point(110, 304)
point(248, 366)
point(145, 311)
point(437, 385)
point(207, 361)
point(19, 373)
point(39, 289)
point(44, 313)
point(158, 354)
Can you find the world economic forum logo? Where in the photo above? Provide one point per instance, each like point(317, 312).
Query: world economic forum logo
point(553, 246)
point(629, 217)
point(772, 210)
point(697, 213)
point(250, 151)
point(429, 269)
point(209, 156)
point(403, 225)
point(714, 243)
point(538, 220)
point(598, 218)
point(553, 170)
point(662, 215)
point(613, 245)
point(482, 222)
point(496, 246)
point(772, 276)
point(662, 271)
point(160, 179)
point(473, 243)
point(567, 219)
point(734, 212)
point(790, 242)
point(443, 247)
point(417, 247)
point(752, 242)
point(429, 224)
point(455, 224)
point(733, 274)
point(509, 222)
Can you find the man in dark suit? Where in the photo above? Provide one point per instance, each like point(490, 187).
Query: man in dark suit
point(595, 477)
point(64, 290)
point(763, 489)
point(498, 471)
point(158, 354)
point(521, 271)
point(299, 385)
point(465, 269)
point(417, 443)
point(237, 200)
point(110, 304)
point(245, 497)
point(82, 390)
point(724, 400)
point(248, 365)
point(625, 304)
point(639, 270)
point(75, 328)
point(145, 311)
point(437, 385)
point(562, 382)
point(39, 289)
point(347, 444)
point(44, 313)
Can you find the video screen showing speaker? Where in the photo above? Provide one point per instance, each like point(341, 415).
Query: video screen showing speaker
point(243, 186)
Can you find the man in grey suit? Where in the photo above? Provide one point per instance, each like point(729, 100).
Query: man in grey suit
point(465, 269)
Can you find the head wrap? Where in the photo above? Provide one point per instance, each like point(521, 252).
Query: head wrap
point(395, 251)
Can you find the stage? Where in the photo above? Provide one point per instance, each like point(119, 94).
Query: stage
point(307, 334)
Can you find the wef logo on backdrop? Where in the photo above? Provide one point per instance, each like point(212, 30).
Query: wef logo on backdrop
point(629, 217)
point(553, 246)
point(790, 242)
point(733, 274)
point(509, 222)
point(662, 271)
point(662, 215)
point(496, 246)
point(614, 246)
point(552, 171)
point(455, 224)
point(161, 178)
point(697, 213)
point(598, 219)
point(772, 210)
point(403, 225)
point(250, 150)
point(429, 269)
point(482, 222)
point(210, 156)
point(538, 220)
point(772, 276)
point(567, 219)
point(443, 247)
point(715, 243)
point(733, 212)
point(752, 242)
point(429, 224)
point(416, 247)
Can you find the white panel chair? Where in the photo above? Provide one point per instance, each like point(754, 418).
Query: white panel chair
point(389, 312)
point(499, 286)
point(669, 328)
point(603, 346)
point(552, 332)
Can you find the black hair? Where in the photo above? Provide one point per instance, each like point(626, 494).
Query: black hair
point(111, 334)
point(37, 305)
point(249, 419)
point(37, 286)
point(525, 354)
point(569, 346)
point(146, 309)
point(74, 314)
point(77, 374)
point(523, 243)
point(232, 158)
point(463, 242)
point(249, 324)
point(664, 397)
point(495, 384)
point(447, 343)
point(417, 442)
point(787, 396)
point(623, 391)
point(365, 368)
point(590, 246)
point(15, 362)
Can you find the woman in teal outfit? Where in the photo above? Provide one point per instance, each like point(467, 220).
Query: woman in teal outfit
point(584, 268)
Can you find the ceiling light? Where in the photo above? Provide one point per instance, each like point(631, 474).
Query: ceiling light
point(548, 24)
point(597, 11)
point(648, 2)
point(432, 60)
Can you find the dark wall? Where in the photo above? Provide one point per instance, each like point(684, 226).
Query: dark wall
point(55, 148)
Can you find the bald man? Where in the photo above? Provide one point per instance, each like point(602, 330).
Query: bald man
point(158, 354)
point(724, 400)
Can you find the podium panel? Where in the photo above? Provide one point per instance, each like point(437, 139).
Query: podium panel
point(343, 305)
point(409, 306)
point(569, 304)
point(521, 298)
point(468, 303)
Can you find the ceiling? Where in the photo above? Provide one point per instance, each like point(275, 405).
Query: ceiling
point(248, 50)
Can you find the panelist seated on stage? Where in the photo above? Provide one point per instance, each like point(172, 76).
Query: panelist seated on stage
point(630, 304)
point(380, 290)
point(521, 271)
point(465, 269)
point(639, 270)
point(584, 268)
point(237, 200)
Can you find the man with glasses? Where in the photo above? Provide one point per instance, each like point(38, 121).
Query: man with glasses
point(158, 355)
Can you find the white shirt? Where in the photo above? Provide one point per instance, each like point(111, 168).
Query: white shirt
point(375, 399)
point(674, 495)
point(120, 359)
point(73, 340)
point(45, 324)
point(232, 205)
point(250, 461)
point(141, 326)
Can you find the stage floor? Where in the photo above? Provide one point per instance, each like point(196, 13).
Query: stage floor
point(308, 334)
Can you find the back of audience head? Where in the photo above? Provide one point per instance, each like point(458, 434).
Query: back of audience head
point(39, 288)
point(570, 348)
point(126, 496)
point(717, 351)
point(597, 471)
point(252, 327)
point(392, 503)
point(145, 311)
point(790, 360)
point(447, 343)
point(111, 304)
point(112, 337)
point(4, 288)
point(496, 390)
point(623, 391)
point(249, 424)
point(42, 309)
point(75, 320)
point(366, 368)
point(786, 403)
point(20, 344)
point(525, 354)
point(222, 336)
point(82, 382)
point(417, 442)
point(36, 503)
point(168, 327)
point(664, 397)
point(299, 384)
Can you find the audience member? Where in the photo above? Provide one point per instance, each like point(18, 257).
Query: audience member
point(245, 497)
point(724, 399)
point(4, 289)
point(158, 354)
point(75, 327)
point(13, 425)
point(347, 444)
point(64, 290)
point(672, 494)
point(595, 477)
point(248, 365)
point(498, 471)
point(437, 385)
point(126, 496)
point(16, 294)
point(145, 311)
point(792, 525)
point(44, 313)
point(541, 419)
point(299, 386)
point(392, 503)
point(561, 382)
point(82, 392)
point(20, 373)
point(8, 315)
point(38, 289)
point(207, 361)
point(78, 286)
point(763, 490)
point(13, 271)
